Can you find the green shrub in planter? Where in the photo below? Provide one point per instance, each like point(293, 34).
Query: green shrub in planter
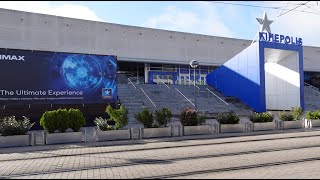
point(102, 124)
point(228, 118)
point(261, 117)
point(296, 112)
point(48, 121)
point(145, 117)
point(286, 116)
point(310, 115)
point(76, 119)
point(188, 117)
point(10, 126)
point(120, 116)
point(163, 116)
point(202, 119)
point(62, 119)
point(313, 115)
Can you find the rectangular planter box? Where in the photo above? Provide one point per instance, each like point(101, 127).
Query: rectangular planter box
point(314, 123)
point(113, 135)
point(13, 141)
point(61, 138)
point(291, 124)
point(156, 132)
point(269, 126)
point(195, 130)
point(136, 133)
point(232, 128)
point(176, 130)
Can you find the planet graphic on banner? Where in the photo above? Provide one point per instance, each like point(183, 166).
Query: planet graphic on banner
point(82, 72)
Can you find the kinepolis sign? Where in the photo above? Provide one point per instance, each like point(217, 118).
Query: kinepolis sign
point(56, 77)
point(270, 37)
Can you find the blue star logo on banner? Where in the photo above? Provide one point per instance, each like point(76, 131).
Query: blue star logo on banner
point(107, 93)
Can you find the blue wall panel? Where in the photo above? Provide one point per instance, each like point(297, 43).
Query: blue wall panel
point(240, 77)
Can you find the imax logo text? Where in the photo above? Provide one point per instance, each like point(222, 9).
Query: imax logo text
point(11, 57)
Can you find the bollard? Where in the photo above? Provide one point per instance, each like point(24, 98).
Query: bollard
point(181, 130)
point(141, 132)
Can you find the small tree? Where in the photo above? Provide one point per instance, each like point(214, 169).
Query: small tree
point(145, 117)
point(62, 119)
point(296, 112)
point(202, 119)
point(76, 119)
point(313, 115)
point(163, 116)
point(120, 116)
point(48, 121)
point(188, 117)
point(261, 117)
point(286, 116)
point(228, 118)
point(102, 124)
point(10, 126)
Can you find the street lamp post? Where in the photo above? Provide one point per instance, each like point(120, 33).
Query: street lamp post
point(194, 64)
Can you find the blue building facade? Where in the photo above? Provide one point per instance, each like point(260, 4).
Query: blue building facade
point(244, 76)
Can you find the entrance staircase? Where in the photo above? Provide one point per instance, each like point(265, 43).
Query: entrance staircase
point(136, 97)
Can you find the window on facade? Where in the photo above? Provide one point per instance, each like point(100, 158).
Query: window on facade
point(211, 68)
point(132, 70)
point(312, 78)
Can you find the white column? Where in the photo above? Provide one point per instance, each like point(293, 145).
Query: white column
point(146, 70)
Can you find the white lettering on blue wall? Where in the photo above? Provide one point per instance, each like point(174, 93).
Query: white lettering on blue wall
point(270, 37)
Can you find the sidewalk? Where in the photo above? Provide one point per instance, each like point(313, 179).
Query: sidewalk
point(221, 138)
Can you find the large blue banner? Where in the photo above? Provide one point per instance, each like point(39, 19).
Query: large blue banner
point(56, 78)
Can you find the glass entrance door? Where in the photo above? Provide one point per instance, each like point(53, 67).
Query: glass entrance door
point(203, 80)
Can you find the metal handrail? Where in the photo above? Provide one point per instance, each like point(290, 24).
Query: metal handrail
point(307, 84)
point(183, 95)
point(314, 89)
point(311, 86)
point(217, 96)
point(163, 82)
point(132, 83)
point(148, 97)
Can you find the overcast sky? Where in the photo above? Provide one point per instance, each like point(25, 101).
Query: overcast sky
point(235, 19)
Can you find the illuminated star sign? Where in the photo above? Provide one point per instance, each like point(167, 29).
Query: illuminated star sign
point(265, 23)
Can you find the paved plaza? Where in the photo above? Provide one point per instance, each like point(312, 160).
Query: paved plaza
point(291, 154)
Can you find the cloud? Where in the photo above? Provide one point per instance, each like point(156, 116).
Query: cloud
point(65, 10)
point(304, 25)
point(206, 21)
point(240, 22)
